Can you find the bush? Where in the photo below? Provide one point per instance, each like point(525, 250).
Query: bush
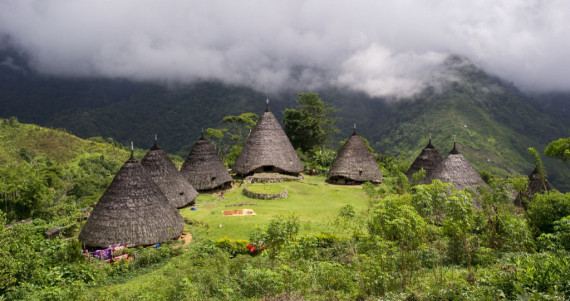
point(234, 247)
point(484, 256)
point(547, 208)
point(538, 273)
point(144, 256)
point(261, 282)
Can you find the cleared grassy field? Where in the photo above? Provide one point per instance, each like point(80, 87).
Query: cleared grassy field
point(313, 200)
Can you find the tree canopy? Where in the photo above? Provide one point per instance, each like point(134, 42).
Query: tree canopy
point(311, 124)
point(229, 139)
point(559, 149)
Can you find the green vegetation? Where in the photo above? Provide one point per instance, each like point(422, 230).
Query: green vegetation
point(323, 242)
point(312, 124)
point(317, 201)
point(559, 149)
point(265, 188)
point(229, 138)
point(44, 170)
point(430, 243)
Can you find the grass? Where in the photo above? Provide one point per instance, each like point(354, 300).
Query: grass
point(313, 200)
point(265, 188)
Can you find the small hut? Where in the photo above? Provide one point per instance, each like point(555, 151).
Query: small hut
point(354, 164)
point(177, 189)
point(427, 160)
point(455, 169)
point(267, 149)
point(133, 210)
point(204, 169)
point(536, 183)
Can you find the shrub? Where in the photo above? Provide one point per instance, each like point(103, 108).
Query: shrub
point(547, 208)
point(484, 256)
point(234, 247)
point(261, 282)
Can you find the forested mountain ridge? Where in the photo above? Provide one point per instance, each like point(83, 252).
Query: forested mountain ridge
point(493, 120)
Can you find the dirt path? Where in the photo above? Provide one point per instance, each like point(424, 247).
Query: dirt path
point(186, 237)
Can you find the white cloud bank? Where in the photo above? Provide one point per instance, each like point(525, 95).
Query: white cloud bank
point(380, 47)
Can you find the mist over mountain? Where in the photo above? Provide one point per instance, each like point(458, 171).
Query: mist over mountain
point(382, 48)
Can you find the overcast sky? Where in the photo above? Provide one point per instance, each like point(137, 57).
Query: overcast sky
point(381, 47)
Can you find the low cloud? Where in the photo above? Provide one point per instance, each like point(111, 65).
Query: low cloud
point(385, 48)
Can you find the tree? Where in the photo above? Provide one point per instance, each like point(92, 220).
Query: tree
point(559, 149)
point(229, 140)
point(311, 124)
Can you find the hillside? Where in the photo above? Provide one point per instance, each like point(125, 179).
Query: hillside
point(493, 121)
point(46, 169)
point(322, 241)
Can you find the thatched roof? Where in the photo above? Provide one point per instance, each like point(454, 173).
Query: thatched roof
point(535, 184)
point(177, 189)
point(355, 162)
point(133, 210)
point(455, 169)
point(267, 146)
point(203, 167)
point(428, 159)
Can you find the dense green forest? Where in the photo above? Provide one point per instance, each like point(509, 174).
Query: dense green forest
point(391, 241)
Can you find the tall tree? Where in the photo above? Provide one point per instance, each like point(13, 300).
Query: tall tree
point(311, 124)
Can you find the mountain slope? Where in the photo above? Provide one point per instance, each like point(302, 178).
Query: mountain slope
point(493, 121)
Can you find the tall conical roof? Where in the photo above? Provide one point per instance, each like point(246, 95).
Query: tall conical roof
point(133, 210)
point(428, 159)
point(355, 162)
point(456, 169)
point(267, 146)
point(177, 189)
point(203, 167)
point(535, 184)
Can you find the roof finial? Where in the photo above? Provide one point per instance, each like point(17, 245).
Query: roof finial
point(155, 146)
point(429, 142)
point(132, 151)
point(267, 107)
point(354, 132)
point(454, 150)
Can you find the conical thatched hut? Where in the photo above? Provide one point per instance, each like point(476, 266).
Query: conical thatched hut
point(354, 164)
point(536, 183)
point(161, 169)
point(267, 149)
point(133, 210)
point(455, 169)
point(204, 169)
point(427, 160)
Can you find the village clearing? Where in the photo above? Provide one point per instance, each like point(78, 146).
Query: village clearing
point(313, 200)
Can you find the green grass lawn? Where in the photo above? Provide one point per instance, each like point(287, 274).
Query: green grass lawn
point(265, 188)
point(313, 200)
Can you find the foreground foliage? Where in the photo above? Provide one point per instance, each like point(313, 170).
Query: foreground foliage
point(424, 245)
point(423, 242)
